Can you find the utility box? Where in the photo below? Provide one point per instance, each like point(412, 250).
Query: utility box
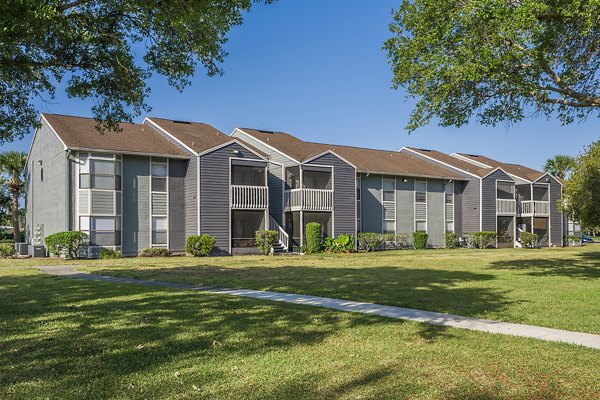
point(37, 251)
point(22, 249)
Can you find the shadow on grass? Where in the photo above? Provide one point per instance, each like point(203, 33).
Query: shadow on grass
point(78, 339)
point(456, 292)
point(584, 265)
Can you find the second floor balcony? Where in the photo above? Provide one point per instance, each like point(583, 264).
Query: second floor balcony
point(249, 197)
point(506, 206)
point(308, 200)
point(531, 208)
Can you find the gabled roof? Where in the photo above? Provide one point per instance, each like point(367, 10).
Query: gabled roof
point(365, 160)
point(452, 161)
point(518, 170)
point(196, 136)
point(79, 133)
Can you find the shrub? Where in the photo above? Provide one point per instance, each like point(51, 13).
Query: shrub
point(7, 250)
point(313, 237)
point(7, 241)
point(528, 239)
point(484, 239)
point(199, 245)
point(155, 252)
point(574, 240)
point(403, 241)
point(369, 241)
point(343, 244)
point(450, 240)
point(265, 240)
point(420, 240)
point(66, 243)
point(109, 254)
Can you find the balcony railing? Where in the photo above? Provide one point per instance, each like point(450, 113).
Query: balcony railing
point(533, 208)
point(506, 206)
point(309, 200)
point(249, 197)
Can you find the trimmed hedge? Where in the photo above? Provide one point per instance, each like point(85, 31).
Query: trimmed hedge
point(109, 254)
point(451, 240)
point(420, 240)
point(370, 241)
point(7, 250)
point(200, 245)
point(528, 239)
point(481, 240)
point(313, 238)
point(67, 243)
point(265, 240)
point(155, 252)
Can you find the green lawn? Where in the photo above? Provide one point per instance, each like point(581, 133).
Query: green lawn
point(548, 287)
point(70, 339)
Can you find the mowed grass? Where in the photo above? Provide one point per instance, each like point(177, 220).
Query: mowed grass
point(557, 288)
point(71, 339)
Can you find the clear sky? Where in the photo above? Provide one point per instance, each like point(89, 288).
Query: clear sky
point(316, 69)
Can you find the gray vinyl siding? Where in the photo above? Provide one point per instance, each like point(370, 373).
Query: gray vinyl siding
point(458, 207)
point(405, 205)
point(371, 203)
point(177, 209)
point(273, 155)
point(488, 199)
point(344, 194)
point(214, 194)
point(136, 205)
point(47, 202)
point(435, 212)
point(556, 218)
point(471, 206)
point(275, 180)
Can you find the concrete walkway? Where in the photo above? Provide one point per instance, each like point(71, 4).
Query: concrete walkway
point(428, 317)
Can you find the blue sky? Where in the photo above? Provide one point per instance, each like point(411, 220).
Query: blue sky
point(316, 69)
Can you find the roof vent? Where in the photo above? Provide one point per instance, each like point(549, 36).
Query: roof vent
point(182, 122)
point(263, 131)
point(427, 150)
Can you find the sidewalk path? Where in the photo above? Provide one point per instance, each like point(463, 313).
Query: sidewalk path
point(428, 317)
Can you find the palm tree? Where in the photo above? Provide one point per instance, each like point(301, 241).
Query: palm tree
point(12, 164)
point(560, 165)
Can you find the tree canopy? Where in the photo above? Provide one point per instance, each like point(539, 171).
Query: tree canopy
point(560, 165)
point(91, 45)
point(497, 60)
point(581, 192)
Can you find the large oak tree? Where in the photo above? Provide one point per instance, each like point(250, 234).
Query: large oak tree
point(104, 50)
point(497, 60)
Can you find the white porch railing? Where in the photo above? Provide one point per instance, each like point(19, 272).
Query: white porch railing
point(309, 199)
point(251, 197)
point(506, 206)
point(282, 235)
point(534, 208)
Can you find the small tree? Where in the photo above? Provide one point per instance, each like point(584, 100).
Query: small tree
point(313, 237)
point(265, 240)
point(582, 190)
point(67, 243)
point(12, 163)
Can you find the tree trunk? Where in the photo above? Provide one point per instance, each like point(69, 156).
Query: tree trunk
point(15, 217)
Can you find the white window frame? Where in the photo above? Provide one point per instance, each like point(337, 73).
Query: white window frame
point(446, 218)
point(416, 181)
point(152, 162)
point(388, 202)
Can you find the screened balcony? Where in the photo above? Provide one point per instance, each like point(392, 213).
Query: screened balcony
point(310, 192)
point(536, 203)
point(248, 187)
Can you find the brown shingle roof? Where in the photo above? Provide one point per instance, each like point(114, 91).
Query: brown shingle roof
point(453, 161)
point(514, 169)
point(81, 133)
point(196, 135)
point(365, 160)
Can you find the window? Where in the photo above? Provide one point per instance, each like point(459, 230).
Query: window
point(420, 191)
point(159, 231)
point(449, 210)
point(316, 179)
point(420, 205)
point(159, 176)
point(103, 231)
point(389, 205)
point(540, 193)
point(99, 174)
point(247, 175)
point(358, 205)
point(505, 190)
